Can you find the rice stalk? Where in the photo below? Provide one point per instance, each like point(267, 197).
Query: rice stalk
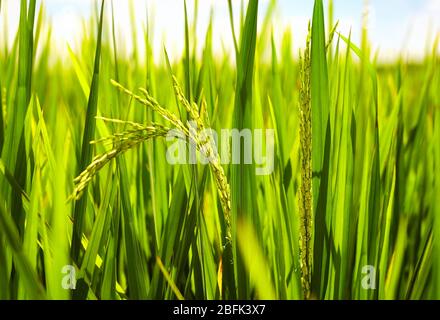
point(150, 102)
point(132, 138)
point(305, 194)
point(123, 142)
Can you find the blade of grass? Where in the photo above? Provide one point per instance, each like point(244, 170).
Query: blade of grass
point(169, 279)
point(138, 279)
point(320, 144)
point(14, 154)
point(436, 209)
point(243, 176)
point(15, 186)
point(2, 126)
point(58, 233)
point(33, 286)
point(255, 263)
point(87, 152)
point(30, 237)
point(419, 281)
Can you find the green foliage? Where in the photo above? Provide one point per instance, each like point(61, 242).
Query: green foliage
point(356, 178)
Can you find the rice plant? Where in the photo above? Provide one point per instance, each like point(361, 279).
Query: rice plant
point(92, 208)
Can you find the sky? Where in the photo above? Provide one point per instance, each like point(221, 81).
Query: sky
point(396, 27)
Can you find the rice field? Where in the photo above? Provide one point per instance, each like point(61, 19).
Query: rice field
point(91, 207)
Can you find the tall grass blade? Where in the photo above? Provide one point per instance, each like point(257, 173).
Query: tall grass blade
point(242, 181)
point(320, 144)
point(86, 151)
point(7, 226)
point(14, 153)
